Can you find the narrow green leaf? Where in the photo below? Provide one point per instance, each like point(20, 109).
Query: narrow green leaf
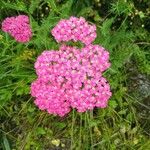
point(6, 143)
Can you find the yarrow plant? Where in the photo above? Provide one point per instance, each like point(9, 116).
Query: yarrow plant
point(76, 29)
point(18, 27)
point(72, 77)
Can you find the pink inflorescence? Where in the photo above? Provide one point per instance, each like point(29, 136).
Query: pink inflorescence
point(18, 27)
point(71, 77)
point(75, 29)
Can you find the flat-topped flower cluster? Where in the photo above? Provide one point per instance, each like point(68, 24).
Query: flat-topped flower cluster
point(76, 29)
point(72, 77)
point(18, 27)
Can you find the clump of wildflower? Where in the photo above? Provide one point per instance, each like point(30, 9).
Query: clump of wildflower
point(76, 29)
point(18, 27)
point(71, 78)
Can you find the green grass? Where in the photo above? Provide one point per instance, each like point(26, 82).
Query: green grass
point(123, 125)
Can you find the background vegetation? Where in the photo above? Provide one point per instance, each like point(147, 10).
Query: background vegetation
point(123, 28)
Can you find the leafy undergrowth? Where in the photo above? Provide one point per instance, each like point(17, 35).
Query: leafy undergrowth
point(122, 28)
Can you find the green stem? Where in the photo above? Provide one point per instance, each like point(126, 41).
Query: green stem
point(72, 126)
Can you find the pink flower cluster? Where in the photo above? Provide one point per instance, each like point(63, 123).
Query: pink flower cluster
point(71, 77)
point(76, 29)
point(18, 27)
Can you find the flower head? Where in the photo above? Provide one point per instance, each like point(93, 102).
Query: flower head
point(76, 29)
point(71, 78)
point(18, 27)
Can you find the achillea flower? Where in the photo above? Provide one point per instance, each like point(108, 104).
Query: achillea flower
point(76, 29)
point(18, 27)
point(73, 78)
